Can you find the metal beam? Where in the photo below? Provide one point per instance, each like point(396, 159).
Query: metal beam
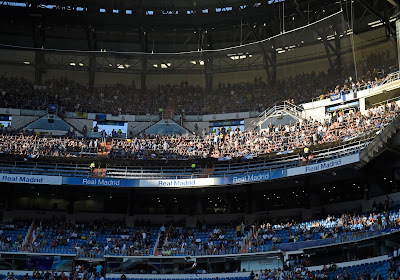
point(392, 2)
point(143, 73)
point(271, 73)
point(91, 37)
point(377, 14)
point(328, 46)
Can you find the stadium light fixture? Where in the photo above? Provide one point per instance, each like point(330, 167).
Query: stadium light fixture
point(378, 24)
point(81, 64)
point(115, 11)
point(374, 22)
point(163, 65)
point(128, 12)
point(155, 65)
point(102, 10)
point(27, 62)
point(120, 66)
point(201, 62)
point(72, 63)
point(193, 62)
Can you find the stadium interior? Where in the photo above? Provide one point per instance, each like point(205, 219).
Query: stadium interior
point(198, 139)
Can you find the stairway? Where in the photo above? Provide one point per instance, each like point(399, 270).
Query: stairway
point(189, 127)
point(23, 122)
point(28, 241)
point(169, 112)
point(99, 172)
point(104, 148)
point(380, 142)
point(142, 128)
point(75, 123)
point(279, 109)
point(206, 172)
point(159, 246)
point(245, 248)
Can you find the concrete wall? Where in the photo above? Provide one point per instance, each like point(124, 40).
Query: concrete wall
point(81, 77)
point(104, 78)
point(85, 207)
point(153, 80)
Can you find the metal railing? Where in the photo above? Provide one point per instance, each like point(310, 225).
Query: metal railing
point(287, 107)
point(55, 169)
point(294, 246)
point(372, 86)
point(292, 161)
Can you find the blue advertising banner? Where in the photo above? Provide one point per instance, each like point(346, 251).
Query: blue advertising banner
point(323, 165)
point(256, 177)
point(100, 182)
point(30, 179)
point(181, 183)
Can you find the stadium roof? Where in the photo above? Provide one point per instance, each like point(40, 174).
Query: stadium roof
point(153, 22)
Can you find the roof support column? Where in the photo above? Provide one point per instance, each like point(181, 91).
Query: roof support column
point(143, 74)
point(91, 37)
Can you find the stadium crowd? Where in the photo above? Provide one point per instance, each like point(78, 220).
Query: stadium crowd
point(205, 240)
point(95, 239)
point(117, 99)
point(35, 146)
point(99, 238)
point(336, 128)
point(274, 139)
point(343, 228)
